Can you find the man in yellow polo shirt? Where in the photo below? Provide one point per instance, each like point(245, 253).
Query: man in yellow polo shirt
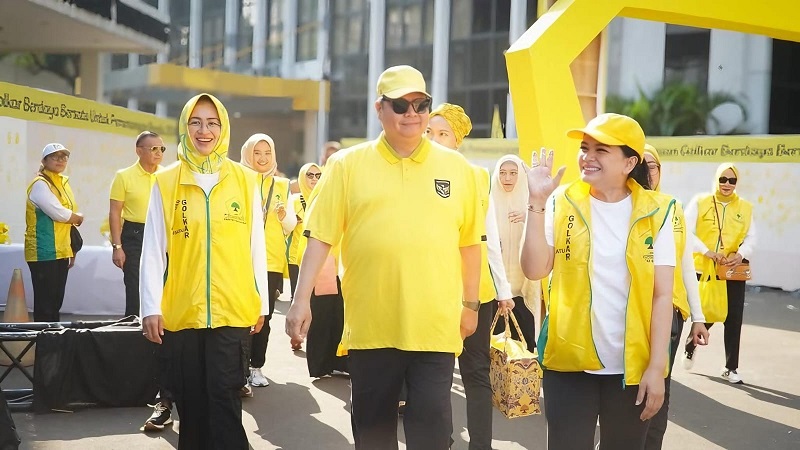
point(130, 195)
point(406, 212)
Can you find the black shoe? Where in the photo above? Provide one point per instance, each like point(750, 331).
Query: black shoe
point(161, 417)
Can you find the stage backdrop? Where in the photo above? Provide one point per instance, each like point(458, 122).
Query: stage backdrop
point(101, 140)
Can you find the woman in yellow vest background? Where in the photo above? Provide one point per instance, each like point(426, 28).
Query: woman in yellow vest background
point(258, 153)
point(308, 177)
point(685, 298)
point(721, 225)
point(609, 245)
point(50, 212)
point(205, 213)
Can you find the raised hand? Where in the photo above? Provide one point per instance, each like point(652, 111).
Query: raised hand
point(541, 182)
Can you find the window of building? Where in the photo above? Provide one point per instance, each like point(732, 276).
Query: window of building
point(784, 105)
point(307, 29)
point(275, 31)
point(686, 56)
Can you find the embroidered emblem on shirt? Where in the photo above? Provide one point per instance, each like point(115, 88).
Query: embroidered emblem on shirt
point(235, 211)
point(442, 188)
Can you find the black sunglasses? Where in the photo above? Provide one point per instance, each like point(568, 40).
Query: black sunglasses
point(310, 175)
point(400, 105)
point(723, 180)
point(156, 148)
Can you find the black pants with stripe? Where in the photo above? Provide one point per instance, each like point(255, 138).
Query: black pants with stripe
point(205, 375)
point(49, 280)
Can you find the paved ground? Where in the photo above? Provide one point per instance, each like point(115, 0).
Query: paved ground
point(298, 413)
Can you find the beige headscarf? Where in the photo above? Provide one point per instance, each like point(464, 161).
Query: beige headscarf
point(722, 168)
point(249, 147)
point(456, 118)
point(649, 149)
point(511, 233)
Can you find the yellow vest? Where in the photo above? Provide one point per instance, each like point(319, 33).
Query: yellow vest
point(735, 217)
point(46, 239)
point(297, 243)
point(210, 281)
point(679, 296)
point(566, 343)
point(487, 290)
point(273, 230)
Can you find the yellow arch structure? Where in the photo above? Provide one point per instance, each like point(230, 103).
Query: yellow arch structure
point(541, 84)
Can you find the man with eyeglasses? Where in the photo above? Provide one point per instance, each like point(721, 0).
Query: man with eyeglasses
point(405, 210)
point(130, 195)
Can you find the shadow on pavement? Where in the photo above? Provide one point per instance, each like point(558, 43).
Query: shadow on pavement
point(740, 429)
point(763, 394)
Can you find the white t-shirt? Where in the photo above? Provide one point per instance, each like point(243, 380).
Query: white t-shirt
point(610, 278)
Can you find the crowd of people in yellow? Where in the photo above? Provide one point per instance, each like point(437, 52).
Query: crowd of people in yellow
point(399, 252)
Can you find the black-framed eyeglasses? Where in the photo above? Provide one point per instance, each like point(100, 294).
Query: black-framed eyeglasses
point(400, 105)
point(732, 181)
point(156, 148)
point(311, 176)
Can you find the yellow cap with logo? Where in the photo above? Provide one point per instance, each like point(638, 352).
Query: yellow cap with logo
point(613, 129)
point(397, 81)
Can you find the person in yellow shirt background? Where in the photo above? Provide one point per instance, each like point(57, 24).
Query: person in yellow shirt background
point(408, 216)
point(449, 125)
point(129, 198)
point(723, 231)
point(308, 177)
point(205, 212)
point(611, 258)
point(50, 212)
point(258, 153)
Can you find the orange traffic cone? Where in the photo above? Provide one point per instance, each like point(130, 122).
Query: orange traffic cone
point(16, 312)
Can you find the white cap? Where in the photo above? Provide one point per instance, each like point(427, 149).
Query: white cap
point(49, 149)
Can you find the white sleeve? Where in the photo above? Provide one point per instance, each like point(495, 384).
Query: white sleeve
point(690, 215)
point(548, 220)
point(689, 278)
point(495, 256)
point(664, 247)
point(750, 241)
point(153, 262)
point(290, 220)
point(258, 252)
point(44, 199)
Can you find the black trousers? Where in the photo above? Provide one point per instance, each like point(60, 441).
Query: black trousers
point(733, 325)
point(205, 377)
point(294, 272)
point(376, 378)
point(325, 334)
point(49, 280)
point(9, 439)
point(473, 363)
point(526, 322)
point(573, 401)
point(658, 423)
point(259, 341)
point(131, 237)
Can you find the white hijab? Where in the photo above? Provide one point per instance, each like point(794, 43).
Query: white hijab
point(511, 233)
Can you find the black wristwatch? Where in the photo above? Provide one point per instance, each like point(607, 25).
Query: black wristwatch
point(474, 305)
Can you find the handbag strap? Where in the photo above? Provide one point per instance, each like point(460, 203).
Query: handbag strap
point(719, 224)
point(507, 331)
point(60, 194)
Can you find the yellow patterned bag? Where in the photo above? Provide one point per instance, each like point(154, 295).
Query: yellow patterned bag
point(514, 372)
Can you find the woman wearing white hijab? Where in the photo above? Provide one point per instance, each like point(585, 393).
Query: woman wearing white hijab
point(510, 198)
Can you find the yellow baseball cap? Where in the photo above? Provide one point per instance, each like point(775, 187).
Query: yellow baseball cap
point(398, 81)
point(613, 129)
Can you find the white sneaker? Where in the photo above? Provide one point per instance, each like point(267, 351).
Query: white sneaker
point(257, 378)
point(731, 376)
point(688, 360)
point(246, 391)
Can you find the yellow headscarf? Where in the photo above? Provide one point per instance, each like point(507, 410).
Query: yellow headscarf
point(305, 189)
point(456, 118)
point(250, 146)
point(722, 168)
point(649, 149)
point(186, 151)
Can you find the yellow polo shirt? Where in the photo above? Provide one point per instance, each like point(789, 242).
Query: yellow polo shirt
point(401, 222)
point(132, 186)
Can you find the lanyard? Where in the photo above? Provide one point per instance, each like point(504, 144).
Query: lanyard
point(269, 198)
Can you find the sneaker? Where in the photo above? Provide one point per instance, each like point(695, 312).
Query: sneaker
point(257, 378)
point(731, 376)
point(246, 391)
point(161, 416)
point(688, 360)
